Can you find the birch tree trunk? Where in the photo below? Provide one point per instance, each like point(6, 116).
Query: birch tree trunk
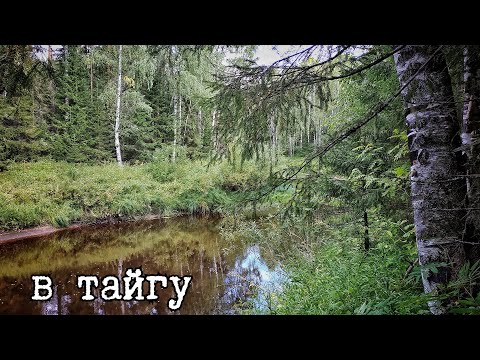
point(174, 154)
point(117, 108)
point(67, 100)
point(179, 122)
point(188, 110)
point(200, 126)
point(437, 193)
point(91, 73)
point(214, 130)
point(471, 147)
point(273, 146)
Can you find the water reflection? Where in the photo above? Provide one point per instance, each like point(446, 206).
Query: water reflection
point(251, 275)
point(222, 280)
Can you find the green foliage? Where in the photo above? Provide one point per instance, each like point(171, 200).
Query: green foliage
point(20, 137)
point(66, 111)
point(373, 162)
point(71, 132)
point(138, 131)
point(65, 192)
point(18, 67)
point(328, 271)
point(223, 117)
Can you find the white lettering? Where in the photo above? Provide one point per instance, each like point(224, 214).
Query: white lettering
point(37, 287)
point(175, 305)
point(137, 286)
point(115, 288)
point(153, 279)
point(88, 280)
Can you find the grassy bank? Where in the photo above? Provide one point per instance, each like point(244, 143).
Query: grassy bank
point(60, 193)
point(330, 273)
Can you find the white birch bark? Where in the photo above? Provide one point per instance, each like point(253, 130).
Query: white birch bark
point(437, 196)
point(67, 100)
point(91, 73)
point(175, 107)
point(214, 133)
point(200, 126)
point(117, 108)
point(180, 118)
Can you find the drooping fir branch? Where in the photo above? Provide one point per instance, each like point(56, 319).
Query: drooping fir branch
point(248, 95)
point(18, 66)
point(276, 78)
point(281, 178)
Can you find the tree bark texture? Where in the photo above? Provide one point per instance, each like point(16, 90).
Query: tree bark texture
point(175, 114)
point(117, 108)
point(437, 192)
point(471, 147)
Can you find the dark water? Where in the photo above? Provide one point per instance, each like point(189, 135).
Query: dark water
point(225, 274)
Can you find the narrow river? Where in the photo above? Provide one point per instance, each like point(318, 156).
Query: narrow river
point(224, 274)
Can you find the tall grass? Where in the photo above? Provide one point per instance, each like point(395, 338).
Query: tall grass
point(59, 193)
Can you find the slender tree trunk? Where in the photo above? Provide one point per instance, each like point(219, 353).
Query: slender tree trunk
point(67, 100)
point(200, 126)
point(309, 119)
point(91, 73)
point(436, 194)
point(175, 105)
point(214, 130)
point(318, 130)
point(120, 275)
point(471, 147)
point(277, 144)
point(117, 108)
point(273, 145)
point(180, 118)
point(50, 53)
point(187, 115)
point(366, 237)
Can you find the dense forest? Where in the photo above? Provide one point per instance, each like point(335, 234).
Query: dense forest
point(355, 167)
